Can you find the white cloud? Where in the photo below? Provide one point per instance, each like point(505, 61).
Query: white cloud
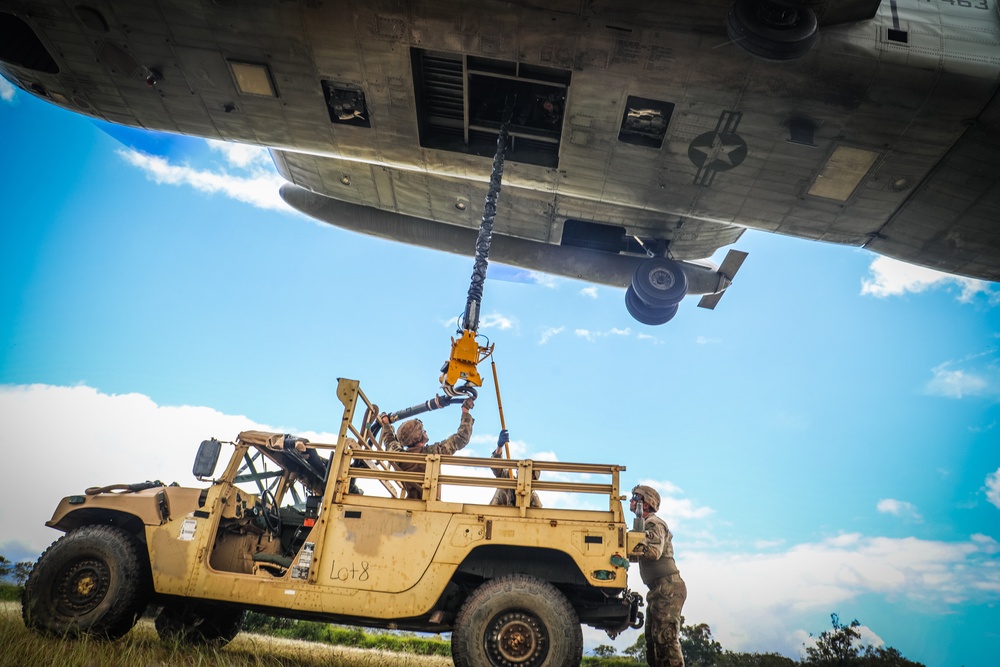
point(497, 321)
point(988, 544)
point(755, 602)
point(490, 321)
point(891, 277)
point(98, 439)
point(259, 188)
point(544, 279)
point(589, 292)
point(706, 340)
point(7, 90)
point(241, 155)
point(549, 333)
point(993, 488)
point(592, 336)
point(899, 508)
point(767, 544)
point(956, 383)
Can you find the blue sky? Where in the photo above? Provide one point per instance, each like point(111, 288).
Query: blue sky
point(826, 440)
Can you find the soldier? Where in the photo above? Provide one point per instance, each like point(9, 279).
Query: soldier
point(659, 572)
point(508, 496)
point(413, 438)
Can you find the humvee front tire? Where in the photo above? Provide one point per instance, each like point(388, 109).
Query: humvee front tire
point(91, 581)
point(517, 621)
point(199, 623)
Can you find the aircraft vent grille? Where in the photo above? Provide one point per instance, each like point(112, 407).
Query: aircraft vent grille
point(461, 102)
point(444, 96)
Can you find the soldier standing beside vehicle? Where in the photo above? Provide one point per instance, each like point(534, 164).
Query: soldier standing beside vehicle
point(659, 572)
point(509, 496)
point(411, 437)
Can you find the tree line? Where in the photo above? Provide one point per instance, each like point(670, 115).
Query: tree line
point(840, 646)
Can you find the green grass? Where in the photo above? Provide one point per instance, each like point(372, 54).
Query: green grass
point(21, 648)
point(399, 642)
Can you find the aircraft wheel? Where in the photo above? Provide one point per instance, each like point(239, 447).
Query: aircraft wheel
point(517, 621)
point(646, 314)
point(91, 581)
point(660, 282)
point(772, 30)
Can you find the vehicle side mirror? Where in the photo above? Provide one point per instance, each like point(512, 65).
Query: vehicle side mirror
point(207, 458)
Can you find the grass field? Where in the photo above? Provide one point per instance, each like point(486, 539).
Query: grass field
point(142, 648)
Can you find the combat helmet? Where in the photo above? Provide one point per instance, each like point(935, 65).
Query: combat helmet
point(410, 432)
point(648, 494)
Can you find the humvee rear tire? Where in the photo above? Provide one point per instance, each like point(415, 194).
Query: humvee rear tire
point(517, 621)
point(199, 623)
point(91, 581)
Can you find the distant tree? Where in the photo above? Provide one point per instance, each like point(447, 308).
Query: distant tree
point(22, 571)
point(839, 646)
point(842, 647)
point(699, 649)
point(730, 659)
point(885, 657)
point(6, 567)
point(605, 651)
point(637, 651)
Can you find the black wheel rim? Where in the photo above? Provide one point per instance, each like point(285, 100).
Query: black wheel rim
point(516, 638)
point(660, 278)
point(82, 586)
point(777, 16)
point(660, 282)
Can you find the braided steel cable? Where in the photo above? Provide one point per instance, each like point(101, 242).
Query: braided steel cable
point(470, 321)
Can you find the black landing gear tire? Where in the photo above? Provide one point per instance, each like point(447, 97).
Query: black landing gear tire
point(92, 581)
point(772, 30)
point(646, 314)
point(517, 621)
point(199, 623)
point(660, 282)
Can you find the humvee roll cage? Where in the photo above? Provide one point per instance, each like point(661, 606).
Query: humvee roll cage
point(364, 458)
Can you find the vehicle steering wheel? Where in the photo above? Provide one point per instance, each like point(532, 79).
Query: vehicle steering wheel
point(269, 510)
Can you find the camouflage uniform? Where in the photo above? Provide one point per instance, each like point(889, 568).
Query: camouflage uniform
point(449, 445)
point(509, 496)
point(666, 595)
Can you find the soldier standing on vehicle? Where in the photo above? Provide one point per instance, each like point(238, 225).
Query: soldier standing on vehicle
point(508, 496)
point(411, 437)
point(659, 572)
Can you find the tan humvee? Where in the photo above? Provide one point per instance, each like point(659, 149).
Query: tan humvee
point(285, 531)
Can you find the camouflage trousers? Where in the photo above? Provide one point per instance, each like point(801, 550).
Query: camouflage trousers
point(663, 622)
